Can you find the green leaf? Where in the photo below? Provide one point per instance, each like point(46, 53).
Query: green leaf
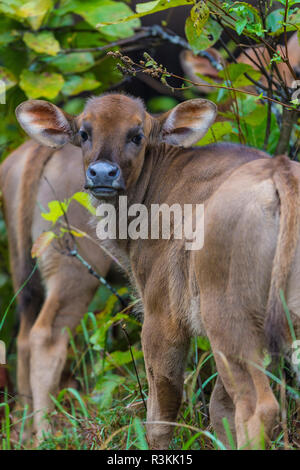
point(76, 84)
point(199, 16)
point(33, 11)
point(202, 341)
point(82, 39)
point(275, 19)
point(235, 73)
point(74, 62)
point(74, 106)
point(77, 396)
point(119, 358)
point(37, 85)
point(140, 434)
point(85, 200)
point(104, 12)
point(105, 321)
point(15, 59)
point(294, 17)
point(108, 72)
point(42, 43)
point(148, 8)
point(210, 34)
point(6, 38)
point(217, 131)
point(240, 25)
point(8, 78)
point(160, 104)
point(56, 210)
point(8, 32)
point(256, 117)
point(106, 385)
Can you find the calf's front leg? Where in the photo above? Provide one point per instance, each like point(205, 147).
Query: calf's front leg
point(165, 347)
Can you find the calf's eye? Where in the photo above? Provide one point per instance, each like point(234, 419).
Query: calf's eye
point(84, 135)
point(137, 139)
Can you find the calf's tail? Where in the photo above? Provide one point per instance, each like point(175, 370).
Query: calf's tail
point(286, 183)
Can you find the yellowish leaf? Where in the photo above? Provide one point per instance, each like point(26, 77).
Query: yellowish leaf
point(41, 243)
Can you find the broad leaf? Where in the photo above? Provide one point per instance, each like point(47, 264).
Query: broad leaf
point(8, 32)
point(210, 34)
point(7, 77)
point(100, 13)
point(105, 388)
point(37, 85)
point(33, 11)
point(235, 74)
point(199, 16)
point(75, 105)
point(147, 8)
point(43, 43)
point(85, 200)
point(76, 84)
point(275, 19)
point(56, 210)
point(74, 62)
point(118, 358)
point(216, 133)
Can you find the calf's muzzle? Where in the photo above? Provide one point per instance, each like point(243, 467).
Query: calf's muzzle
point(104, 179)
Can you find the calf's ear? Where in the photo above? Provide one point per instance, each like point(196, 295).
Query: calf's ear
point(188, 122)
point(46, 123)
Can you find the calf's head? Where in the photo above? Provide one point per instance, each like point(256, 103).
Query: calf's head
point(113, 132)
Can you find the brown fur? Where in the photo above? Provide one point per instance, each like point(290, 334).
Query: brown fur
point(250, 250)
point(58, 294)
point(287, 185)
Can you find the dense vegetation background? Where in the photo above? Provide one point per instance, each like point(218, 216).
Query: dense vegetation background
point(57, 50)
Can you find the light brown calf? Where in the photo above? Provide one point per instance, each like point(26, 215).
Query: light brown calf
point(251, 247)
point(61, 289)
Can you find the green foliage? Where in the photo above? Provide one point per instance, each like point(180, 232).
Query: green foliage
point(148, 8)
point(235, 74)
point(57, 214)
point(41, 85)
point(38, 57)
point(106, 386)
point(210, 33)
point(107, 411)
point(43, 43)
point(76, 84)
point(57, 209)
point(217, 132)
point(41, 57)
point(160, 104)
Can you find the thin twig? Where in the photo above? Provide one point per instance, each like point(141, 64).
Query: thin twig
point(134, 365)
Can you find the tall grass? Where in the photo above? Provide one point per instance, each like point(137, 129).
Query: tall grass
point(102, 407)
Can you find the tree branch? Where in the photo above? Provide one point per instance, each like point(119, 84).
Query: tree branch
point(289, 118)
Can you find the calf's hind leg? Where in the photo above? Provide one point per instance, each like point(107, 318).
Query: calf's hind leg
point(30, 301)
point(68, 296)
point(237, 346)
point(221, 406)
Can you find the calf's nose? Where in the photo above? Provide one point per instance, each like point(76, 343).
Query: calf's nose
point(102, 174)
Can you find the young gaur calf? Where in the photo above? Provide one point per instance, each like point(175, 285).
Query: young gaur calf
point(59, 292)
point(231, 286)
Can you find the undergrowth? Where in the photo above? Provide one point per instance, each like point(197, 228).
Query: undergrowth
point(101, 407)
